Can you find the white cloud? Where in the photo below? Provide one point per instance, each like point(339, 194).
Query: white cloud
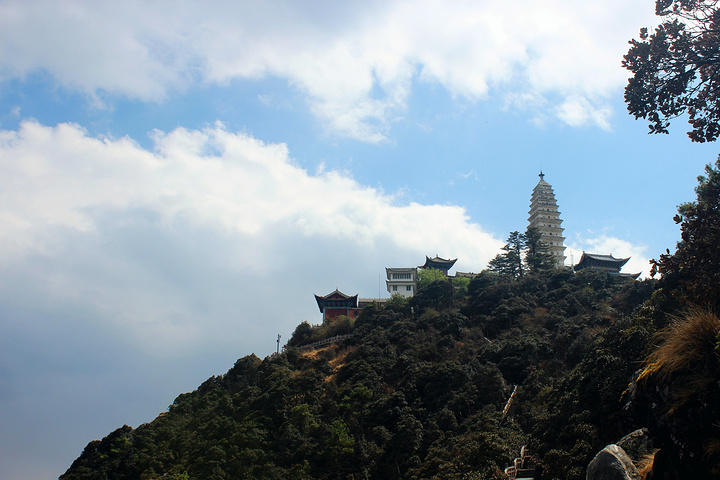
point(577, 111)
point(354, 61)
point(155, 242)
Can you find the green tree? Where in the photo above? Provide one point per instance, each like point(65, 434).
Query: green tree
point(339, 439)
point(510, 263)
point(461, 285)
point(426, 276)
point(537, 255)
point(302, 335)
point(438, 295)
point(675, 70)
point(397, 303)
point(692, 274)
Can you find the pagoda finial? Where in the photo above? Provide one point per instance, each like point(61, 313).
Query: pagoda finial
point(542, 175)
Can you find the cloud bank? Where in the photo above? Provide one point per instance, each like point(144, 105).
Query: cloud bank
point(169, 247)
point(129, 230)
point(354, 62)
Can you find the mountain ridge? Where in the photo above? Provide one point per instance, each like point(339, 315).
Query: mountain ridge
point(417, 391)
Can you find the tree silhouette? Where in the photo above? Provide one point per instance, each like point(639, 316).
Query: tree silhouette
point(675, 69)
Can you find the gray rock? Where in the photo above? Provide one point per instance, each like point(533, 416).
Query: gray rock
point(612, 463)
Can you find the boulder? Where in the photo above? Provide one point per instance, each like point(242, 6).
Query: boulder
point(612, 463)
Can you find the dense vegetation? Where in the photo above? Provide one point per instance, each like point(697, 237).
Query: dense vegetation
point(417, 392)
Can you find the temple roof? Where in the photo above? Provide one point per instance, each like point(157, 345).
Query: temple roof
point(336, 299)
point(336, 295)
point(604, 258)
point(438, 263)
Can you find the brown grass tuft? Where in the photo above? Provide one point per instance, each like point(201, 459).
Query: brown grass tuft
point(339, 361)
point(686, 345)
point(645, 464)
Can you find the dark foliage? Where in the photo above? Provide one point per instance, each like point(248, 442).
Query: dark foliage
point(675, 69)
point(677, 397)
point(690, 276)
point(417, 392)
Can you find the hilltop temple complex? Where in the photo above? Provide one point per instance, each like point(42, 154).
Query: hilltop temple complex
point(544, 216)
point(403, 281)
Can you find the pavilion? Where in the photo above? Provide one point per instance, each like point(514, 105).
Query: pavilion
point(604, 263)
point(336, 303)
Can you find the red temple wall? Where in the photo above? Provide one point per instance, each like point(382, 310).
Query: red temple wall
point(331, 313)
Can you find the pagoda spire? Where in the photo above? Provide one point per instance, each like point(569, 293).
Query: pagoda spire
point(545, 217)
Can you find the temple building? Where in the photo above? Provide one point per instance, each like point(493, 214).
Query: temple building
point(337, 303)
point(544, 216)
point(404, 281)
point(401, 281)
point(604, 263)
point(438, 263)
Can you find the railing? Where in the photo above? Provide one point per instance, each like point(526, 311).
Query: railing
point(523, 467)
point(326, 341)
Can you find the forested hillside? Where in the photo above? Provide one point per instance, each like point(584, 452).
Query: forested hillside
point(418, 388)
point(417, 391)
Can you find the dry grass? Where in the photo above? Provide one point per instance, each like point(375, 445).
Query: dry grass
point(712, 448)
point(645, 464)
point(680, 374)
point(314, 353)
point(337, 362)
point(686, 345)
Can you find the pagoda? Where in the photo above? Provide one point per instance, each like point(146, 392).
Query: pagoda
point(544, 216)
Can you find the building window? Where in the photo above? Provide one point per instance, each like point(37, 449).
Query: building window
point(401, 276)
point(408, 288)
point(394, 288)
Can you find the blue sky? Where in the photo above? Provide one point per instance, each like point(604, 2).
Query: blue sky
point(178, 179)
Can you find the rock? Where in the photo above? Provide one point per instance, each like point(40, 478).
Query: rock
point(612, 463)
point(638, 445)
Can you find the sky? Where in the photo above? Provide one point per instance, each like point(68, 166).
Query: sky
point(177, 179)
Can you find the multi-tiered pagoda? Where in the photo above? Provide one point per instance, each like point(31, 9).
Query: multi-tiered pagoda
point(545, 217)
